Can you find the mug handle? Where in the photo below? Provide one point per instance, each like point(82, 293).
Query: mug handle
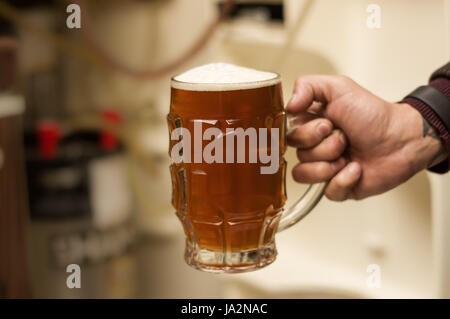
point(308, 201)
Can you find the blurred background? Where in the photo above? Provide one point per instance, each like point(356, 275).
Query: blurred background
point(84, 169)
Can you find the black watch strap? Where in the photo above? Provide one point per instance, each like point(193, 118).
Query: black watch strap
point(436, 100)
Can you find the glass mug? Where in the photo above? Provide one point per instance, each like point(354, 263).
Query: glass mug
point(229, 210)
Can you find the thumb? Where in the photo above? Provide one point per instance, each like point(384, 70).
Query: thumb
point(310, 88)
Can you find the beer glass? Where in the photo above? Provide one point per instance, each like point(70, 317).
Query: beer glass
point(230, 205)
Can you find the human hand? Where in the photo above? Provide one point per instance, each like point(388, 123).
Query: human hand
point(358, 142)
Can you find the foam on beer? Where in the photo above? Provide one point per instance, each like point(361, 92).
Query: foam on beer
point(223, 77)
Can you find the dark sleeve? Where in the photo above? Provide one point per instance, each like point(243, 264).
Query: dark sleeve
point(440, 80)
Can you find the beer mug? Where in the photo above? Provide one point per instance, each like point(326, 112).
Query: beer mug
point(227, 127)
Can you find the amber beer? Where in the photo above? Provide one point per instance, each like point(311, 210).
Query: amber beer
point(229, 211)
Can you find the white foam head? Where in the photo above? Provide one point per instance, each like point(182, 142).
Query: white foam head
point(223, 77)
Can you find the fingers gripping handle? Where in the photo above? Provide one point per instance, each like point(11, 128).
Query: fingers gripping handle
point(309, 200)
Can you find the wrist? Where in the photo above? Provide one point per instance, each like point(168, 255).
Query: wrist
point(433, 106)
point(422, 145)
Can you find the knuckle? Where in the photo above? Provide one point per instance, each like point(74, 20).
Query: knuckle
point(334, 196)
point(343, 81)
point(335, 148)
point(323, 169)
point(307, 140)
point(341, 183)
point(357, 195)
point(301, 131)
